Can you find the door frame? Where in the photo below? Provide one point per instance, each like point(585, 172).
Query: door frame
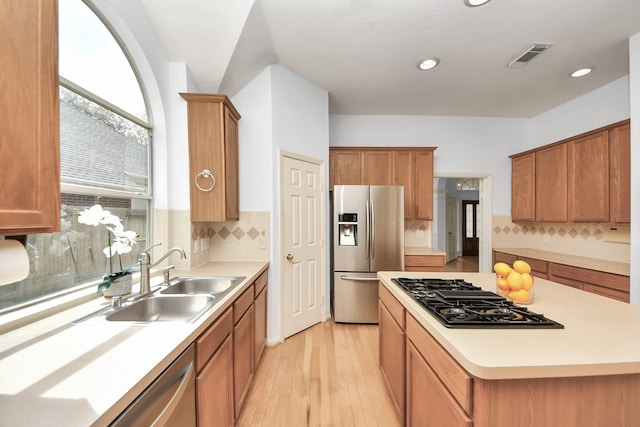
point(281, 256)
point(485, 234)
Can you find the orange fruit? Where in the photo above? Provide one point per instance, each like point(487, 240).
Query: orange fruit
point(502, 284)
point(527, 281)
point(521, 266)
point(502, 268)
point(519, 296)
point(515, 281)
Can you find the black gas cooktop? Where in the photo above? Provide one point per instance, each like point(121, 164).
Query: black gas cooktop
point(460, 304)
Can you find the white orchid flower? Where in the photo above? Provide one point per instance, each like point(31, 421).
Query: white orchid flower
point(93, 215)
point(112, 220)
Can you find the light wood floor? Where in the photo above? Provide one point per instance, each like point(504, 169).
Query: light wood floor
point(468, 264)
point(327, 375)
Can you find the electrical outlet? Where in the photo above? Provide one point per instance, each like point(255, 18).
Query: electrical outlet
point(419, 234)
point(262, 244)
point(196, 246)
point(545, 238)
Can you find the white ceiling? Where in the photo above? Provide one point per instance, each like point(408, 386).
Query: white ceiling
point(365, 52)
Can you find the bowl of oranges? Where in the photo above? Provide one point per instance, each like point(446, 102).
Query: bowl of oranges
point(514, 282)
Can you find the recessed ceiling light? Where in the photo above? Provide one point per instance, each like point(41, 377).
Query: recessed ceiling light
point(428, 63)
point(475, 3)
point(581, 72)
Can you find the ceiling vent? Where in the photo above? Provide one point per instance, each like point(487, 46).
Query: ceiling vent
point(524, 57)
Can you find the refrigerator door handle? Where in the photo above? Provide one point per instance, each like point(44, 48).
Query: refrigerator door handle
point(373, 231)
point(358, 278)
point(368, 227)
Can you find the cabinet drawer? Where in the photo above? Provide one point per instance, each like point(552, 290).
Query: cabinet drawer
point(212, 338)
point(241, 304)
point(453, 376)
point(599, 282)
point(391, 303)
point(261, 282)
point(424, 260)
point(503, 257)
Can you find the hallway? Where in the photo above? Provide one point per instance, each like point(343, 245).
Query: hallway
point(467, 264)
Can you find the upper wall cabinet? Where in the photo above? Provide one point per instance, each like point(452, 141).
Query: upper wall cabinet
point(213, 157)
point(411, 167)
point(582, 179)
point(30, 111)
point(620, 174)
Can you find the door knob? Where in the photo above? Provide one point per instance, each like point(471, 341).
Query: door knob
point(289, 257)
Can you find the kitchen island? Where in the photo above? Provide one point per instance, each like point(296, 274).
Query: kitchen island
point(587, 373)
point(56, 373)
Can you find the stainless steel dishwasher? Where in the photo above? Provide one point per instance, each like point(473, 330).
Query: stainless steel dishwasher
point(169, 401)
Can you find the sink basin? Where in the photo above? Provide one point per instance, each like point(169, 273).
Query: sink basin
point(164, 308)
point(216, 285)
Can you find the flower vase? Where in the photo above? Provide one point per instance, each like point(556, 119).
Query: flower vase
point(120, 286)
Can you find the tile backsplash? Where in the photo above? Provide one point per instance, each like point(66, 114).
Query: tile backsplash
point(582, 239)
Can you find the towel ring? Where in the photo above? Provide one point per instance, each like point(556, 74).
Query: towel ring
point(206, 173)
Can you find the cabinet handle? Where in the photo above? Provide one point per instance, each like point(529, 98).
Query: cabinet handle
point(206, 173)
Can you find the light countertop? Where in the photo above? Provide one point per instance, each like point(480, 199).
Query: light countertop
point(420, 250)
point(614, 267)
point(55, 373)
point(600, 335)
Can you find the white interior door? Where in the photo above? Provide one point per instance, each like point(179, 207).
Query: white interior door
point(302, 245)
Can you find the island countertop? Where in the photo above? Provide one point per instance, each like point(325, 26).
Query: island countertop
point(600, 335)
point(56, 373)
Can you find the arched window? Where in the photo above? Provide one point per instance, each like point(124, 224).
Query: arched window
point(105, 140)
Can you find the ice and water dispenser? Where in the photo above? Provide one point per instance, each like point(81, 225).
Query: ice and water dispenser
point(348, 229)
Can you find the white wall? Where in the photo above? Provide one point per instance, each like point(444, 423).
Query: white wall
point(601, 107)
point(281, 111)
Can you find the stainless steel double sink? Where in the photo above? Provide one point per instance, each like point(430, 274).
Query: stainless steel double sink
point(185, 299)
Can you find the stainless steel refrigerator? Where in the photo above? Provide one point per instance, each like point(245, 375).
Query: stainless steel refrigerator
point(368, 236)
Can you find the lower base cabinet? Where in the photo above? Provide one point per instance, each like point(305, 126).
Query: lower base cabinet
point(428, 401)
point(392, 347)
point(214, 380)
point(424, 263)
point(243, 348)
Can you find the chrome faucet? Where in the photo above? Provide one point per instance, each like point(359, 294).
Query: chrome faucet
point(146, 265)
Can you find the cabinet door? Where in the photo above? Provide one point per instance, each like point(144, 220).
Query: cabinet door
point(243, 358)
point(346, 167)
point(588, 178)
point(423, 196)
point(429, 403)
point(620, 174)
point(214, 388)
point(551, 183)
point(232, 199)
point(260, 307)
point(523, 187)
point(378, 167)
point(403, 175)
point(392, 355)
point(30, 111)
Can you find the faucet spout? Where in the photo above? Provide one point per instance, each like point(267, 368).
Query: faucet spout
point(146, 264)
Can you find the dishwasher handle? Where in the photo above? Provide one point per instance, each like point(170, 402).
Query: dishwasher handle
point(188, 376)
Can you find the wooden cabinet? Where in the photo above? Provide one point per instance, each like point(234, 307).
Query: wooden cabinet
point(243, 347)
point(424, 263)
point(598, 282)
point(551, 184)
point(214, 381)
point(423, 194)
point(523, 187)
point(407, 166)
point(378, 167)
point(403, 175)
point(588, 178)
point(260, 311)
point(29, 106)
point(439, 391)
point(620, 174)
point(391, 321)
point(213, 157)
